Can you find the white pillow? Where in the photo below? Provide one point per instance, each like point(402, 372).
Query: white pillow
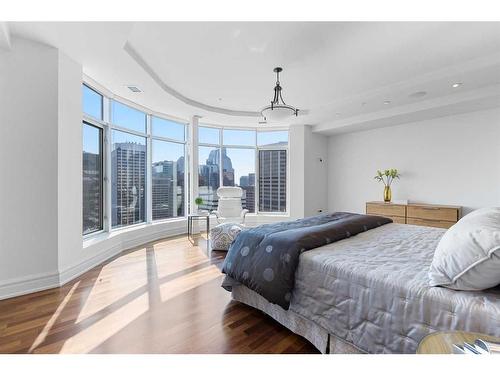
point(468, 255)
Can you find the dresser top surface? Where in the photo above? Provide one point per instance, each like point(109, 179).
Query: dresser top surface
point(415, 205)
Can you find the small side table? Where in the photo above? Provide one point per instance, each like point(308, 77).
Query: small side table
point(198, 217)
point(442, 342)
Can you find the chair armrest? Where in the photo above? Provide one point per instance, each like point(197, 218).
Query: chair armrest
point(215, 212)
point(243, 213)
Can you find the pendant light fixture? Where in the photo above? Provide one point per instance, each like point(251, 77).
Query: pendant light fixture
point(278, 110)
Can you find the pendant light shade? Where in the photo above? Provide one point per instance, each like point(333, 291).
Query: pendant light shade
point(278, 110)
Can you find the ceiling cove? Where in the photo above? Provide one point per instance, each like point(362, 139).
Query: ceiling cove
point(169, 90)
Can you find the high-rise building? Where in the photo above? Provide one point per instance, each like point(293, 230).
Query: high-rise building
point(209, 177)
point(92, 192)
point(247, 183)
point(164, 182)
point(244, 181)
point(251, 179)
point(272, 180)
point(168, 188)
point(128, 191)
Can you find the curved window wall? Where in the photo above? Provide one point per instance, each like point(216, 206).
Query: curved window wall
point(134, 165)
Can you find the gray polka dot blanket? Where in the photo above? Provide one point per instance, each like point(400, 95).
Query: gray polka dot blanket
point(265, 258)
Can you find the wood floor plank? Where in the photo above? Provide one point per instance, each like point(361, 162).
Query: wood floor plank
point(164, 297)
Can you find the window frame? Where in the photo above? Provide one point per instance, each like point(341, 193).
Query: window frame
point(257, 148)
point(107, 127)
point(102, 184)
point(88, 116)
point(152, 137)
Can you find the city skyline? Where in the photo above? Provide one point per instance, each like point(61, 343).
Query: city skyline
point(168, 183)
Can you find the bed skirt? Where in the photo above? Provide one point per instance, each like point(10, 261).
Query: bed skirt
point(324, 341)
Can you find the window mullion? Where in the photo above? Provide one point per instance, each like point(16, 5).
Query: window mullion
point(149, 183)
point(107, 163)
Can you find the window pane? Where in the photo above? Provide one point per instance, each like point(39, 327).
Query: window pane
point(167, 179)
point(92, 102)
point(128, 117)
point(272, 180)
point(277, 138)
point(168, 129)
point(128, 176)
point(92, 179)
point(208, 176)
point(208, 135)
point(239, 137)
point(239, 170)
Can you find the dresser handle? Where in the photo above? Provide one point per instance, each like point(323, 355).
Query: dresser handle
point(430, 208)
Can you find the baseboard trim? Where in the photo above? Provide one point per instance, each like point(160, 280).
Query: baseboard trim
point(76, 270)
point(35, 283)
point(29, 284)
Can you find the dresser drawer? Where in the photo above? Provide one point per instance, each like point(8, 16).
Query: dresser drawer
point(430, 223)
point(433, 213)
point(388, 210)
point(397, 219)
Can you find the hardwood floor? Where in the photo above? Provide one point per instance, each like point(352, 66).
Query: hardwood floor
point(164, 297)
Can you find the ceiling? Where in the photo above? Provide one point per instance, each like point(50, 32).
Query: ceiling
point(346, 75)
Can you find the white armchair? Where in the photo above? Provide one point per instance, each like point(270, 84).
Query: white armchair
point(230, 207)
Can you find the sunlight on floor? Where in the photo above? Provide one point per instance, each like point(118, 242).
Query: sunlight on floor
point(41, 337)
point(95, 335)
point(140, 271)
point(133, 277)
point(169, 263)
point(187, 282)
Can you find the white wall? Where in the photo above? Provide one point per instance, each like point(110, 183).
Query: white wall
point(28, 168)
point(296, 168)
point(315, 173)
point(308, 175)
point(448, 160)
point(70, 251)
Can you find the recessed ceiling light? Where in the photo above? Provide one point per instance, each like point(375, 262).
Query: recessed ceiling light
point(456, 84)
point(387, 102)
point(418, 94)
point(134, 88)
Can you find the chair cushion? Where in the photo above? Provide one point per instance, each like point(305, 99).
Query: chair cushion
point(230, 192)
point(468, 255)
point(230, 207)
point(223, 235)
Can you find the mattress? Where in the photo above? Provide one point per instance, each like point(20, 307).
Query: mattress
point(372, 292)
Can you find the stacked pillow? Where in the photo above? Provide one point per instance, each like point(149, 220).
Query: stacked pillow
point(468, 255)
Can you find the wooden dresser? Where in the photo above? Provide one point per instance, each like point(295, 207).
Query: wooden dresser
point(429, 215)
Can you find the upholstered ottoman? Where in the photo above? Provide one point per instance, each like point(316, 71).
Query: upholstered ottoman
point(223, 235)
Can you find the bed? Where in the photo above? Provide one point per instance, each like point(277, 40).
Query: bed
point(370, 293)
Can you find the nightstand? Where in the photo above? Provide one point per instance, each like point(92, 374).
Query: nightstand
point(442, 342)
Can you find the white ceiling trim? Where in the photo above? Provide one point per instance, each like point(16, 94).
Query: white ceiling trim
point(89, 81)
point(4, 36)
point(448, 72)
point(150, 71)
point(484, 98)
